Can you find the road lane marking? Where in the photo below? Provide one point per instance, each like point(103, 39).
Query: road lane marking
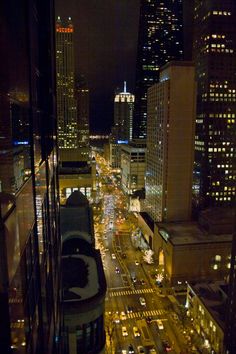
point(130, 292)
point(143, 314)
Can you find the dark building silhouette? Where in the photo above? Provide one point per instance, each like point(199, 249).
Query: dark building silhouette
point(214, 53)
point(82, 101)
point(83, 279)
point(230, 327)
point(29, 234)
point(160, 40)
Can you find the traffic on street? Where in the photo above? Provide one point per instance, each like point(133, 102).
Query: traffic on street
point(139, 317)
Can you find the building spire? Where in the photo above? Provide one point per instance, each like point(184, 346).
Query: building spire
point(124, 86)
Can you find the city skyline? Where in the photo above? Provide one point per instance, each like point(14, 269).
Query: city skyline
point(124, 244)
point(105, 34)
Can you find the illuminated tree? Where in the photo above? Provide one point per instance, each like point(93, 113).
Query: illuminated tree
point(148, 256)
point(110, 325)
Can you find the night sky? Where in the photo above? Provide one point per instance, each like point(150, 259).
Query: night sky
point(105, 47)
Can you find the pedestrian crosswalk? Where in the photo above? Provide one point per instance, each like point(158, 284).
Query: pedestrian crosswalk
point(150, 313)
point(143, 314)
point(130, 292)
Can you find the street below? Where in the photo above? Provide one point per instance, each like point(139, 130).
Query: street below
point(139, 316)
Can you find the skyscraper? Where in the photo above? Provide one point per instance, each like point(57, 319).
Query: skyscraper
point(66, 103)
point(230, 327)
point(82, 100)
point(123, 114)
point(215, 57)
point(29, 233)
point(170, 143)
point(122, 128)
point(159, 41)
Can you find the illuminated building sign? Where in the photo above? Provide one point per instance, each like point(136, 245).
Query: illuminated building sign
point(164, 234)
point(65, 30)
point(122, 141)
point(21, 142)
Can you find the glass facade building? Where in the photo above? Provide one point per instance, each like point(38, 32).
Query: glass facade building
point(29, 235)
point(160, 40)
point(214, 52)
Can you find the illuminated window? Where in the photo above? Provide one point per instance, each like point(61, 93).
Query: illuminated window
point(218, 258)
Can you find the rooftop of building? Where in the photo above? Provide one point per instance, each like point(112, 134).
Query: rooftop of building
point(135, 144)
point(80, 277)
point(83, 276)
point(76, 218)
point(214, 225)
point(173, 63)
point(218, 220)
point(188, 232)
point(75, 167)
point(213, 297)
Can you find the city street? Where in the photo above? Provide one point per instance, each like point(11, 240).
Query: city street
point(133, 298)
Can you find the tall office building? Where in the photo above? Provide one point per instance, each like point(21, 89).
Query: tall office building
point(121, 132)
point(170, 143)
point(123, 114)
point(82, 100)
point(66, 103)
point(230, 327)
point(29, 233)
point(159, 41)
point(215, 57)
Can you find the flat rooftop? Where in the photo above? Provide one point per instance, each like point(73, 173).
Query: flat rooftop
point(76, 218)
point(213, 297)
point(186, 233)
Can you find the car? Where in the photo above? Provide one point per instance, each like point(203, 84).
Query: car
point(143, 282)
point(142, 301)
point(129, 309)
point(166, 346)
point(134, 279)
point(136, 262)
point(123, 315)
point(141, 349)
point(131, 349)
point(136, 332)
point(116, 318)
point(113, 256)
point(117, 270)
point(124, 331)
point(160, 324)
point(148, 319)
point(152, 351)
